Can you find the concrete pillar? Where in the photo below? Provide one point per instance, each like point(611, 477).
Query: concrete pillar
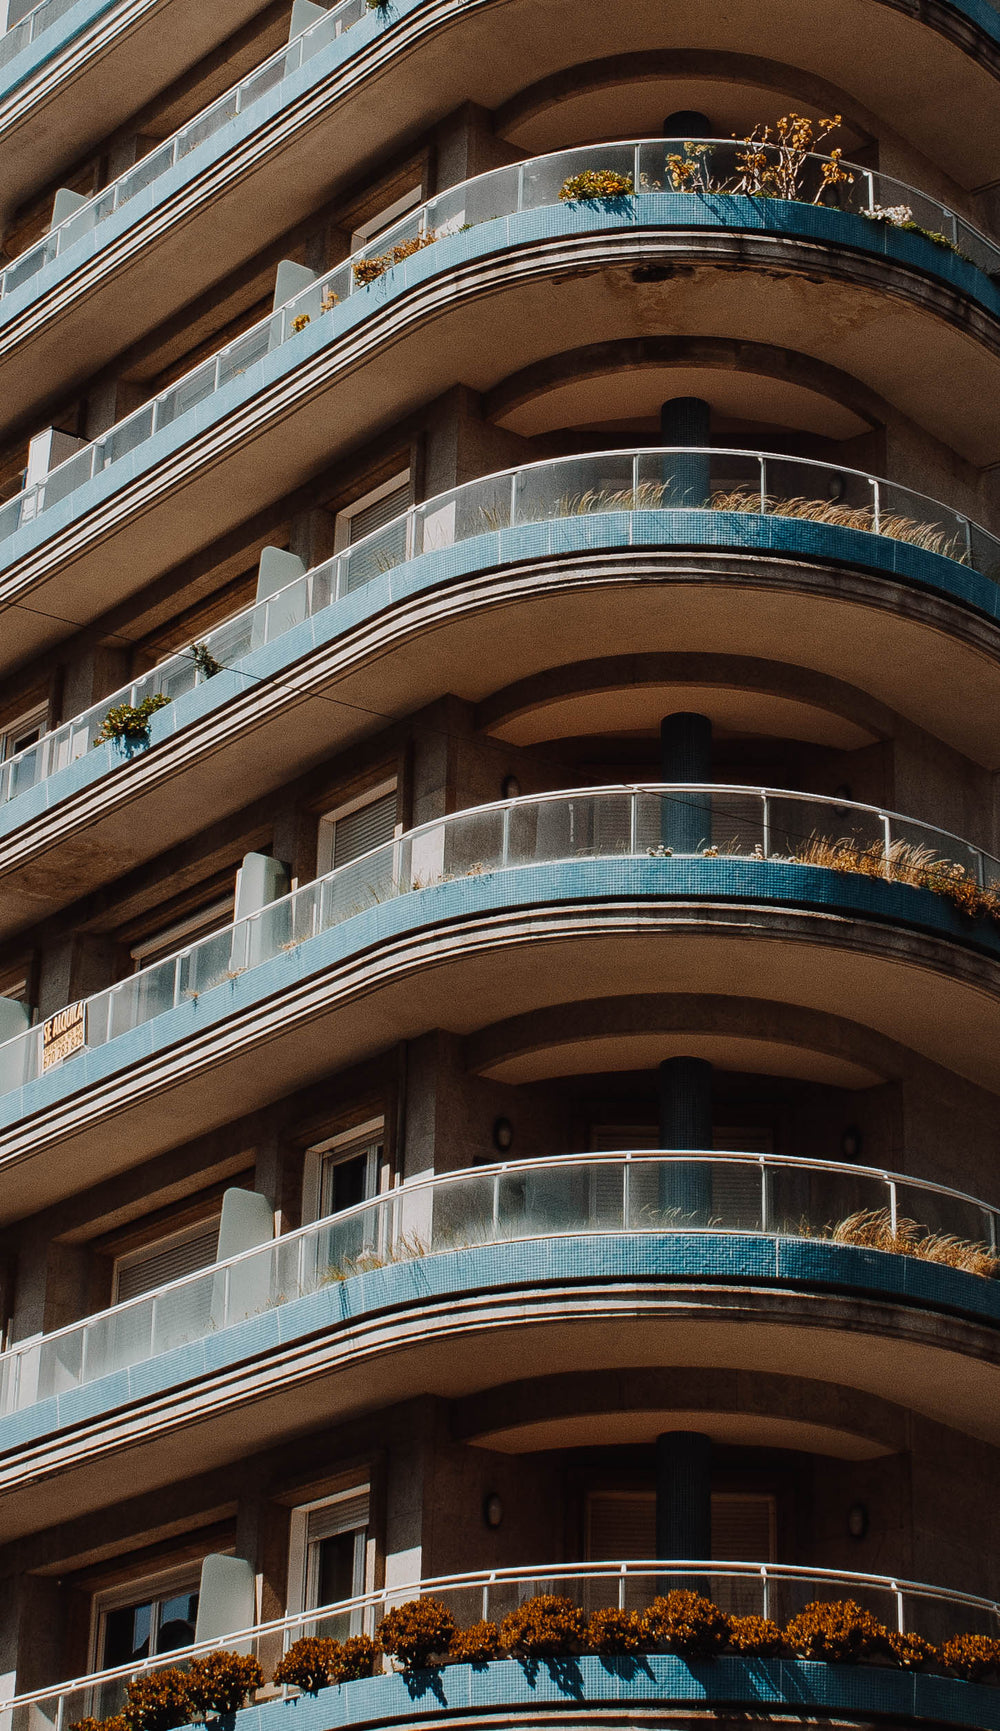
point(685, 1191)
point(686, 480)
point(686, 756)
point(684, 1498)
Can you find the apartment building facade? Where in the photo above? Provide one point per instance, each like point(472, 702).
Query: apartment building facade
point(499, 960)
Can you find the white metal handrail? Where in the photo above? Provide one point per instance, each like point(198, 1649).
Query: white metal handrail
point(769, 1589)
point(510, 1201)
point(622, 481)
point(580, 823)
point(528, 185)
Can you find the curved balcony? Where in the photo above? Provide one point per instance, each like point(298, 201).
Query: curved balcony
point(581, 1685)
point(569, 513)
point(271, 147)
point(769, 1220)
point(196, 448)
point(565, 885)
point(72, 71)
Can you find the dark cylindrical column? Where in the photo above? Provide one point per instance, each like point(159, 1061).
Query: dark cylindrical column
point(684, 1498)
point(686, 755)
point(686, 125)
point(685, 1191)
point(686, 480)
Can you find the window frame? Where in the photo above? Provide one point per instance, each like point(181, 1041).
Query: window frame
point(346, 514)
point(142, 1589)
point(368, 1135)
point(327, 821)
point(36, 715)
point(384, 218)
point(301, 1570)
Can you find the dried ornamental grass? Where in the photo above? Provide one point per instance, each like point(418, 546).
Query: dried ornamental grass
point(874, 1228)
point(546, 1626)
point(891, 524)
point(684, 1622)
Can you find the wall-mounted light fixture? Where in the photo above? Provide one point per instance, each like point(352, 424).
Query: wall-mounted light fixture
point(492, 1509)
point(850, 1142)
point(857, 1520)
point(503, 1134)
point(510, 787)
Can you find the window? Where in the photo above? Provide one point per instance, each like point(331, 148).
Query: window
point(385, 217)
point(355, 828)
point(25, 730)
point(165, 1259)
point(328, 1558)
point(621, 1525)
point(374, 511)
point(184, 930)
point(344, 1171)
point(141, 1620)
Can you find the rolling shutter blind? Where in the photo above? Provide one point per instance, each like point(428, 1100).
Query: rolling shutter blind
point(742, 1528)
point(182, 1253)
point(380, 512)
point(624, 1527)
point(360, 831)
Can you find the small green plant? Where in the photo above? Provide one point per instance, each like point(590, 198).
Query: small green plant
point(221, 1682)
point(130, 721)
point(912, 1652)
point(417, 1633)
point(596, 184)
point(544, 1627)
point(684, 1622)
point(204, 660)
point(838, 1630)
point(368, 270)
point(757, 1636)
point(159, 1701)
point(358, 1656)
point(613, 1631)
point(475, 1646)
point(974, 1657)
point(308, 1664)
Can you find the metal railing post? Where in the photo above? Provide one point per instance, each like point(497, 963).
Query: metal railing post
point(505, 837)
point(893, 1210)
point(765, 1196)
point(870, 182)
point(766, 825)
point(886, 838)
point(763, 483)
point(876, 505)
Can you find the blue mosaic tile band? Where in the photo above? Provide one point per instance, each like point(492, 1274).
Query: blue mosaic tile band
point(797, 1687)
point(731, 531)
point(587, 1258)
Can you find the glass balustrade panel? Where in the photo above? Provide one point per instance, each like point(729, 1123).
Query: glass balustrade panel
point(957, 1230)
point(809, 1202)
point(457, 1215)
point(358, 886)
point(473, 844)
point(208, 124)
point(544, 179)
point(907, 516)
point(576, 488)
point(820, 832)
